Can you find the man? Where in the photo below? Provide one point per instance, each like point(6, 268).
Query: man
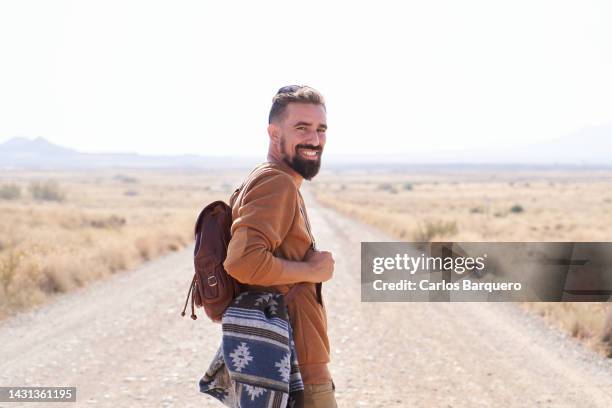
point(272, 247)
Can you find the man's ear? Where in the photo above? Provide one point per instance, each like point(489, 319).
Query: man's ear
point(274, 134)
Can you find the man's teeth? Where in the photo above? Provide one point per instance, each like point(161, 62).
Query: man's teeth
point(311, 153)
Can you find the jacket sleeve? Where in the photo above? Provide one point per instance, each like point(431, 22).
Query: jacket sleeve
point(264, 219)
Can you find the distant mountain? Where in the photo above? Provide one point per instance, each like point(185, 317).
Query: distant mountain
point(587, 147)
point(39, 153)
point(38, 146)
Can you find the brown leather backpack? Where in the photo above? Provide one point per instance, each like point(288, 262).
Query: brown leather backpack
point(212, 287)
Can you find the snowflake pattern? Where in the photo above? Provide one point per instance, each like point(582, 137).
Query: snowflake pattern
point(269, 299)
point(284, 367)
point(264, 297)
point(254, 391)
point(241, 356)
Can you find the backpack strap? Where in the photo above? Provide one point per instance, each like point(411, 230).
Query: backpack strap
point(306, 221)
point(246, 184)
point(318, 285)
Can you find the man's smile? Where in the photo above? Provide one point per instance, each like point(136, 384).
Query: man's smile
point(308, 153)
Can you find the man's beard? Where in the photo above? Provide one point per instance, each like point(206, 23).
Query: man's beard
point(304, 167)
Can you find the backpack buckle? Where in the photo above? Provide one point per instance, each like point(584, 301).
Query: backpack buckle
point(214, 278)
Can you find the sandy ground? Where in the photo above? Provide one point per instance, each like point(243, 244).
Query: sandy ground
point(122, 343)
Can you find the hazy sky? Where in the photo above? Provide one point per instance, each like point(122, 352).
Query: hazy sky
point(198, 76)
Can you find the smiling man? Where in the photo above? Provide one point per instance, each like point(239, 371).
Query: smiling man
point(272, 247)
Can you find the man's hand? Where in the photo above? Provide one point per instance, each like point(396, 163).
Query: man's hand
point(317, 266)
point(321, 264)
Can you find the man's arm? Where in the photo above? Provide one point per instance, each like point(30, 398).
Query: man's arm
point(263, 221)
point(317, 266)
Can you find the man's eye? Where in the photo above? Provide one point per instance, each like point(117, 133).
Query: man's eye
point(322, 130)
point(301, 128)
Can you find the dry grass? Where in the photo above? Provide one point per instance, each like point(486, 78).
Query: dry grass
point(480, 205)
point(72, 228)
point(551, 206)
point(584, 321)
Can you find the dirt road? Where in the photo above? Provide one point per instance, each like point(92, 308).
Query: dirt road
point(122, 343)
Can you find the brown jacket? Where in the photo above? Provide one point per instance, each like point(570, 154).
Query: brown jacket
point(268, 225)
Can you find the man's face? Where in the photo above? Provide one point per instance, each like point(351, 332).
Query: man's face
point(302, 137)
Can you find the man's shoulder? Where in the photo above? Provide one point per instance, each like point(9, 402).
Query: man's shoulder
point(271, 174)
point(267, 179)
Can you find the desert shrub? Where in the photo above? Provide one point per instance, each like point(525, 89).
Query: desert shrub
point(8, 268)
point(579, 330)
point(388, 187)
point(115, 258)
point(62, 272)
point(10, 192)
point(476, 210)
point(407, 186)
point(431, 229)
point(517, 208)
point(47, 191)
point(171, 242)
point(130, 193)
point(113, 221)
point(606, 335)
point(145, 247)
point(126, 179)
point(57, 276)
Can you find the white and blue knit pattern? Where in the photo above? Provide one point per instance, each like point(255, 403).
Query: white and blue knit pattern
point(256, 364)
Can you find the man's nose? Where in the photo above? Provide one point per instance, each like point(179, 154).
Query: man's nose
point(313, 138)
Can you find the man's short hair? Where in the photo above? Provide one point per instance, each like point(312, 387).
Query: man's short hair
point(293, 93)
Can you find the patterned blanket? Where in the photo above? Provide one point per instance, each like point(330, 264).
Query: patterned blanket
point(256, 364)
